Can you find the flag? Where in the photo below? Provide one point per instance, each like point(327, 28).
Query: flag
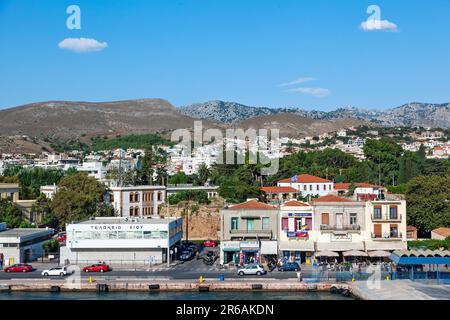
point(294, 179)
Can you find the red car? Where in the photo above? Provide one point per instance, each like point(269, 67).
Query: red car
point(21, 267)
point(99, 267)
point(210, 243)
point(62, 238)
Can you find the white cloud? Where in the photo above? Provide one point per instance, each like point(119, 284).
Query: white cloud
point(316, 92)
point(297, 81)
point(81, 45)
point(378, 25)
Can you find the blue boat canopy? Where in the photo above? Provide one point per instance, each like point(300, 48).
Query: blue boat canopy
point(420, 257)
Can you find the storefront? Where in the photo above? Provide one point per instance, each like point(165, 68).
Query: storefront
point(300, 251)
point(230, 252)
point(249, 252)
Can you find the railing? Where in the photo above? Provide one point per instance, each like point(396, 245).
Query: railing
point(387, 217)
point(389, 236)
point(350, 227)
point(235, 231)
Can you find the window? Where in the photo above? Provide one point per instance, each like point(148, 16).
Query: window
point(131, 212)
point(329, 187)
point(393, 213)
point(159, 196)
point(136, 197)
point(317, 187)
point(136, 211)
point(298, 224)
point(234, 223)
point(325, 218)
point(353, 218)
point(285, 224)
point(394, 231)
point(377, 212)
point(266, 223)
point(324, 187)
point(304, 187)
point(310, 187)
point(131, 197)
point(250, 224)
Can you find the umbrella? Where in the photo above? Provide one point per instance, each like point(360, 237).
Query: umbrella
point(379, 254)
point(327, 254)
point(354, 253)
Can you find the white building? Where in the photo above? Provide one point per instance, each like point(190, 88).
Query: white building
point(137, 201)
point(308, 185)
point(22, 245)
point(94, 169)
point(122, 241)
point(49, 191)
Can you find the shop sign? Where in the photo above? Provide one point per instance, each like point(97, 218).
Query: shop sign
point(299, 234)
point(341, 237)
point(249, 244)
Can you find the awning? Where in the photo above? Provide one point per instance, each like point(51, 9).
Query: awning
point(385, 245)
point(354, 253)
point(294, 245)
point(326, 254)
point(340, 246)
point(269, 247)
point(379, 254)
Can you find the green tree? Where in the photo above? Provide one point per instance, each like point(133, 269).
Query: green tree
point(79, 197)
point(10, 214)
point(428, 205)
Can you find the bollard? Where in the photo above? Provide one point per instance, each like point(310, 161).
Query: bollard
point(201, 279)
point(388, 278)
point(153, 287)
point(55, 289)
point(222, 277)
point(90, 279)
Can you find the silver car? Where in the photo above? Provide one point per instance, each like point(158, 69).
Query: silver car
point(252, 269)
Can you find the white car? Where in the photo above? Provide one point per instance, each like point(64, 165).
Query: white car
point(251, 269)
point(57, 271)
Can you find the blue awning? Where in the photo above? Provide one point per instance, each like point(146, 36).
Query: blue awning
point(420, 257)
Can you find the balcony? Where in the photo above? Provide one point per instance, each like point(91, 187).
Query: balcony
point(251, 233)
point(387, 237)
point(350, 227)
point(386, 217)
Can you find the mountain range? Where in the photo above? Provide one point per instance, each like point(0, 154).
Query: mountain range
point(31, 127)
point(411, 115)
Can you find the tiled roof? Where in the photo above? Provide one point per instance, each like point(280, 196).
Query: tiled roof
point(445, 232)
point(346, 186)
point(295, 203)
point(305, 178)
point(252, 205)
point(279, 190)
point(332, 198)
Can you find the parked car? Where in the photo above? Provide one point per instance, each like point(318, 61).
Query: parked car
point(252, 269)
point(20, 267)
point(98, 267)
point(210, 243)
point(61, 238)
point(289, 266)
point(57, 271)
point(186, 255)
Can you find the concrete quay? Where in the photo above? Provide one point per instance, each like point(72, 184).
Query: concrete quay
point(145, 285)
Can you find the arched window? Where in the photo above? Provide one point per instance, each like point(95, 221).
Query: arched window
point(136, 211)
point(131, 197)
point(131, 211)
point(136, 197)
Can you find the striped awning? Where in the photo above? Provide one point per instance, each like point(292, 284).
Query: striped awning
point(340, 246)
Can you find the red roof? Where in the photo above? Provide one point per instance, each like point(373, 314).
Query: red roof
point(295, 203)
point(305, 178)
point(252, 205)
point(279, 190)
point(445, 232)
point(332, 198)
point(346, 186)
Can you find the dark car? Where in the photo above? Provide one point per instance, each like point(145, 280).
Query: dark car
point(186, 255)
point(289, 266)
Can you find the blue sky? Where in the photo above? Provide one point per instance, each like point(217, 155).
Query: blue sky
point(277, 53)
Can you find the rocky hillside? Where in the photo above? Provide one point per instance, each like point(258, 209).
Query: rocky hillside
point(67, 120)
point(413, 114)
